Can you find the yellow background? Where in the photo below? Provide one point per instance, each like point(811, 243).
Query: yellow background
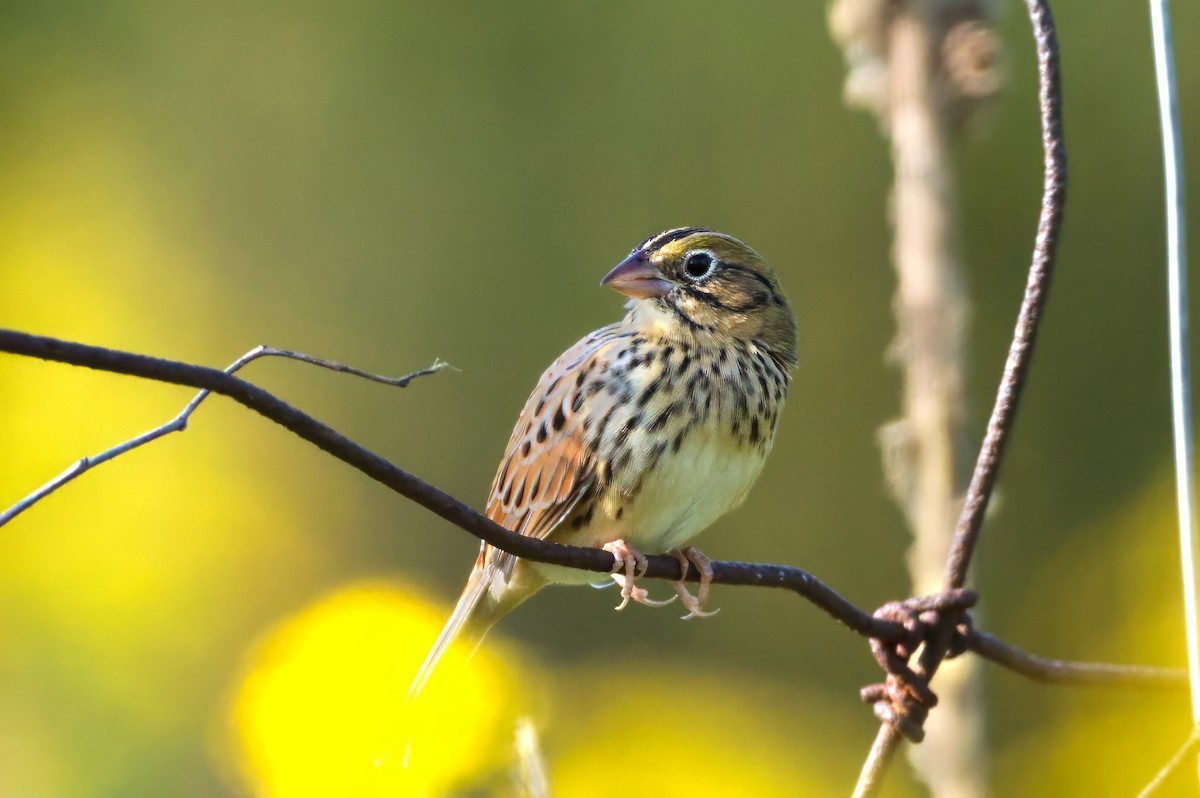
point(385, 184)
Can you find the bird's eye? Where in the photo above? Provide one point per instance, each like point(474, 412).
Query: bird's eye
point(698, 265)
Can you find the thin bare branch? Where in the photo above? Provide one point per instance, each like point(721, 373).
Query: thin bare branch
point(341, 368)
point(530, 777)
point(180, 421)
point(930, 64)
point(1000, 425)
point(428, 496)
point(464, 517)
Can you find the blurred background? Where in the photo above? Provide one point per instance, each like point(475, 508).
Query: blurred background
point(229, 611)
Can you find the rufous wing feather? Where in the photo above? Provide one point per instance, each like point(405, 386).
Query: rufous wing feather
point(546, 469)
point(549, 466)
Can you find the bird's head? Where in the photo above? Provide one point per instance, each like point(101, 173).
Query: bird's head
point(710, 283)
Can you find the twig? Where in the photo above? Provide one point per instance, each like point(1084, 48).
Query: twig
point(1186, 752)
point(462, 516)
point(341, 368)
point(428, 496)
point(926, 451)
point(530, 776)
point(179, 422)
point(1079, 674)
point(1020, 352)
point(925, 68)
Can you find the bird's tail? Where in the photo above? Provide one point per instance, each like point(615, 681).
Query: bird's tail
point(476, 611)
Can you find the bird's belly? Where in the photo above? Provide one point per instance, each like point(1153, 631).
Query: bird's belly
point(670, 504)
point(709, 476)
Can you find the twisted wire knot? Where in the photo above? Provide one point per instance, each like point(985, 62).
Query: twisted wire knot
point(903, 699)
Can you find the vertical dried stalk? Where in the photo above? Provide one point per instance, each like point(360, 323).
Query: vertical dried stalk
point(529, 777)
point(1012, 381)
point(931, 310)
point(906, 61)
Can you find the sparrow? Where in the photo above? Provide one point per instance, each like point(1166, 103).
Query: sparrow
point(643, 433)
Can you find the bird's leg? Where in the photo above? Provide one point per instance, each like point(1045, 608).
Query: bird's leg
point(628, 566)
point(694, 604)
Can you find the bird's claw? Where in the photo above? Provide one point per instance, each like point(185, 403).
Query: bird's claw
point(628, 565)
point(694, 604)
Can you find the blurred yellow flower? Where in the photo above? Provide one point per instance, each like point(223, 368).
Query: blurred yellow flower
point(321, 709)
point(671, 732)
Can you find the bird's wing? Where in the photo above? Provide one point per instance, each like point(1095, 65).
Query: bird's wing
point(548, 465)
point(546, 470)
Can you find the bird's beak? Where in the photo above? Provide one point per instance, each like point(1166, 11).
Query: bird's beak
point(636, 277)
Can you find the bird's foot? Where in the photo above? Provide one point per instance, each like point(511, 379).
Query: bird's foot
point(629, 565)
point(694, 604)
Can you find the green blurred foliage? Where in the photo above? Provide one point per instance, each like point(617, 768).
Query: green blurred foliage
point(389, 183)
